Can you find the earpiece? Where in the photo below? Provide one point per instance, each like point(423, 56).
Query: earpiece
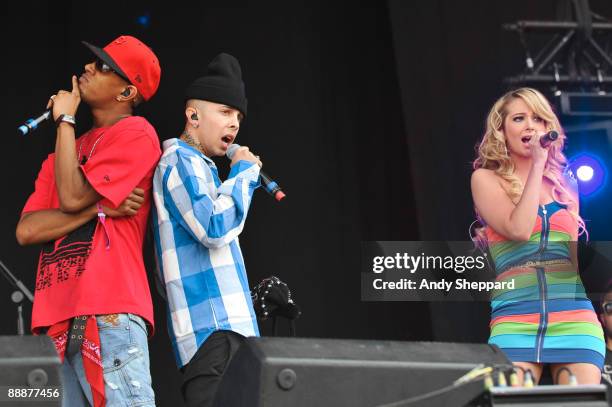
point(194, 116)
point(127, 92)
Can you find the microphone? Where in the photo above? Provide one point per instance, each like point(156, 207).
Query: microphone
point(269, 185)
point(548, 138)
point(32, 124)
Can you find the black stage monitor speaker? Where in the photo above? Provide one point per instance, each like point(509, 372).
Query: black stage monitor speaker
point(549, 396)
point(296, 372)
point(29, 372)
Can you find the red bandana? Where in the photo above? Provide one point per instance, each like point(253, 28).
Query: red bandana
point(90, 351)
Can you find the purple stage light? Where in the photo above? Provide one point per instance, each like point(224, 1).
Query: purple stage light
point(585, 173)
point(591, 173)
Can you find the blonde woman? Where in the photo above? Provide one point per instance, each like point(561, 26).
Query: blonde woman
point(528, 206)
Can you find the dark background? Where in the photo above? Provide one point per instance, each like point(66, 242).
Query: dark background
point(366, 113)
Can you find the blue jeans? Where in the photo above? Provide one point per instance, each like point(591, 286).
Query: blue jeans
point(125, 357)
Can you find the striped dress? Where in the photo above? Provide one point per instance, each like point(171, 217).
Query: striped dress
point(547, 316)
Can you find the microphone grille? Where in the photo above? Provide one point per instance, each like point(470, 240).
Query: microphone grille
point(232, 150)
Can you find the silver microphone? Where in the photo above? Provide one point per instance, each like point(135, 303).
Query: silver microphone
point(32, 124)
point(548, 138)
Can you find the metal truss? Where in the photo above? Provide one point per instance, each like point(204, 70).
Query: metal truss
point(576, 56)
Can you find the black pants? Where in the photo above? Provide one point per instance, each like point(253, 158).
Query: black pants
point(203, 373)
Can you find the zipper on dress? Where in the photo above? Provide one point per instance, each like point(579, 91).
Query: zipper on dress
point(544, 316)
point(542, 285)
point(544, 230)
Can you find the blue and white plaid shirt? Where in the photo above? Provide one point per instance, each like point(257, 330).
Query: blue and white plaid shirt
point(196, 222)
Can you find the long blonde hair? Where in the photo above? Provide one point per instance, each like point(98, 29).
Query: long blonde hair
point(492, 153)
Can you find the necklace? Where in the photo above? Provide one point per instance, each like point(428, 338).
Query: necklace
point(84, 159)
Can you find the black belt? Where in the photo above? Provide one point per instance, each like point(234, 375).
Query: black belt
point(75, 335)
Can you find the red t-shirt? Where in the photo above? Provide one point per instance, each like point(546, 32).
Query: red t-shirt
point(77, 274)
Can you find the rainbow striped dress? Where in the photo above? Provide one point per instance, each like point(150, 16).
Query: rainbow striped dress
point(547, 316)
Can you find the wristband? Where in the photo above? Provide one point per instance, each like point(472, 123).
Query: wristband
point(66, 118)
point(102, 219)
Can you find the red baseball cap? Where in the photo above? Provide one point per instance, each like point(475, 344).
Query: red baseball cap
point(132, 60)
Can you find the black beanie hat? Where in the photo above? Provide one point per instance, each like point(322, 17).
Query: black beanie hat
point(221, 84)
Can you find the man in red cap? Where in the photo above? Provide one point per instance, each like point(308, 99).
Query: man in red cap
point(89, 209)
